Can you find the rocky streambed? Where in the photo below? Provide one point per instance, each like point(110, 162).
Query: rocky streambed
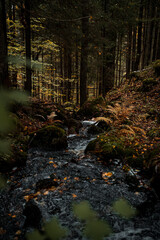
point(53, 181)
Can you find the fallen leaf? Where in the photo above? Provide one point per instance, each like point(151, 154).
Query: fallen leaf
point(45, 193)
point(76, 178)
point(51, 162)
point(74, 195)
point(106, 175)
point(18, 232)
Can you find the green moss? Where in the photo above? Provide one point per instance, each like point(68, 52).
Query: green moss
point(110, 147)
point(50, 137)
point(99, 100)
point(148, 84)
point(156, 67)
point(153, 133)
point(89, 110)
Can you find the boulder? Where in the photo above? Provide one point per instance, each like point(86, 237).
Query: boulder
point(73, 125)
point(50, 138)
point(45, 184)
point(33, 215)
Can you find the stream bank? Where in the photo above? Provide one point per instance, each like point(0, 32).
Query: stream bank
point(76, 177)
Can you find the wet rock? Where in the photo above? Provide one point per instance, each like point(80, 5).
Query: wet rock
point(46, 183)
point(93, 129)
point(33, 215)
point(148, 84)
point(99, 127)
point(50, 137)
point(73, 125)
point(132, 181)
point(91, 108)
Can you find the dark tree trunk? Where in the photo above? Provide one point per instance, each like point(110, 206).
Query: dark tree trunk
point(134, 49)
point(69, 85)
point(108, 67)
point(139, 40)
point(128, 58)
point(77, 76)
point(4, 80)
point(65, 75)
point(84, 53)
point(28, 83)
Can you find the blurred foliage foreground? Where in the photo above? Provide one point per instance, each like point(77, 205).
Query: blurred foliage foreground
point(8, 126)
point(95, 228)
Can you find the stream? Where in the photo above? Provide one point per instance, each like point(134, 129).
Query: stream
point(77, 177)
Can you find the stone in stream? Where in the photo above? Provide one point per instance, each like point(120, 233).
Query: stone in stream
point(50, 138)
point(33, 215)
point(46, 183)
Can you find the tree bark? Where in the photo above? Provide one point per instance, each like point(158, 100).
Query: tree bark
point(4, 80)
point(139, 40)
point(84, 53)
point(28, 83)
point(128, 58)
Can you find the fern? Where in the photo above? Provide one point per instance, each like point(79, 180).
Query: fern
point(107, 120)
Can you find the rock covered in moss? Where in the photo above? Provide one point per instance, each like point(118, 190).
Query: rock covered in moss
point(156, 67)
point(50, 137)
point(99, 127)
point(109, 147)
point(91, 108)
point(148, 84)
point(73, 125)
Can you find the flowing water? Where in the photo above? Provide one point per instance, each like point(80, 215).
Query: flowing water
point(79, 177)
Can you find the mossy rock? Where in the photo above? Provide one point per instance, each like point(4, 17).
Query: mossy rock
point(153, 133)
point(14, 159)
point(99, 100)
point(152, 114)
point(99, 127)
point(148, 84)
point(73, 125)
point(89, 110)
point(156, 67)
point(109, 147)
point(50, 137)
point(135, 75)
point(93, 129)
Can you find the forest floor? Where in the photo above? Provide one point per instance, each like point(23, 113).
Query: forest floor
point(133, 109)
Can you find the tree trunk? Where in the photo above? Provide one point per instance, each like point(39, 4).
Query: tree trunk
point(28, 83)
point(4, 80)
point(139, 40)
point(128, 58)
point(84, 53)
point(69, 85)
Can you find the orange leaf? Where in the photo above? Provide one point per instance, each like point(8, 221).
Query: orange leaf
point(74, 195)
point(51, 162)
point(76, 178)
point(45, 193)
point(18, 232)
point(106, 175)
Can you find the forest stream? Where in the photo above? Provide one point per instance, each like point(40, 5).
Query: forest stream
point(78, 177)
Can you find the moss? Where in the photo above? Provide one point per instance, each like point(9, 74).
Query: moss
point(89, 109)
point(50, 137)
point(156, 67)
point(93, 129)
point(148, 84)
point(91, 147)
point(153, 133)
point(110, 147)
point(99, 100)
